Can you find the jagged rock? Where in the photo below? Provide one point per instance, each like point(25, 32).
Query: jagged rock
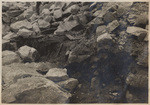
point(5, 29)
point(100, 30)
point(57, 74)
point(14, 13)
point(96, 21)
point(67, 26)
point(112, 26)
point(28, 54)
point(138, 32)
point(7, 45)
point(58, 14)
point(20, 24)
point(25, 33)
point(33, 18)
point(141, 20)
point(72, 9)
point(9, 57)
point(28, 13)
point(69, 84)
point(82, 19)
point(36, 27)
point(121, 11)
point(10, 36)
point(14, 71)
point(48, 18)
point(43, 24)
point(140, 79)
point(35, 90)
point(46, 12)
point(6, 18)
point(104, 37)
point(109, 17)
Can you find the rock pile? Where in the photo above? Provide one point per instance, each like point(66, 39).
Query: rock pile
point(78, 52)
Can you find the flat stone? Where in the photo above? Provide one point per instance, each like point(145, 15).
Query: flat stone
point(28, 54)
point(138, 32)
point(104, 37)
point(20, 24)
point(25, 33)
point(9, 57)
point(57, 74)
point(10, 36)
point(100, 30)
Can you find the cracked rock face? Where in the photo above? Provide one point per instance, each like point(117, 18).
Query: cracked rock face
point(75, 52)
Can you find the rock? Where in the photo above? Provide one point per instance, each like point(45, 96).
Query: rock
point(104, 37)
point(139, 80)
point(69, 84)
point(14, 13)
point(46, 12)
point(59, 5)
point(121, 11)
point(20, 24)
point(7, 45)
point(25, 33)
point(13, 72)
point(112, 26)
point(35, 90)
point(100, 30)
point(33, 18)
point(72, 10)
point(141, 20)
point(28, 54)
point(36, 27)
point(67, 26)
point(96, 21)
point(43, 24)
point(5, 7)
point(28, 13)
point(140, 33)
point(48, 18)
point(10, 36)
point(109, 17)
point(97, 13)
point(6, 18)
point(58, 14)
point(82, 19)
point(56, 74)
point(5, 29)
point(9, 57)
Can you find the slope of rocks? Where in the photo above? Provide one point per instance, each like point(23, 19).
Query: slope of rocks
point(75, 52)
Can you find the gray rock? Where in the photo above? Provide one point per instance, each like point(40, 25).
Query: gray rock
point(96, 21)
point(5, 29)
point(58, 14)
point(43, 24)
point(28, 12)
point(27, 53)
point(141, 20)
point(104, 37)
point(20, 24)
point(109, 17)
point(97, 13)
point(72, 9)
point(25, 33)
point(6, 18)
point(36, 27)
point(112, 26)
point(46, 12)
point(10, 36)
point(100, 30)
point(69, 84)
point(35, 90)
point(9, 57)
point(140, 33)
point(14, 13)
point(57, 74)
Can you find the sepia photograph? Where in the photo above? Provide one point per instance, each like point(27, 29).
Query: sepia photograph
point(74, 52)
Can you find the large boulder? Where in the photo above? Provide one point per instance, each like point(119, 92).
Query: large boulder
point(140, 33)
point(35, 90)
point(20, 24)
point(57, 74)
point(9, 57)
point(28, 54)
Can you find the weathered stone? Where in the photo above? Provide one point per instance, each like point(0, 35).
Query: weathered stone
point(46, 12)
point(72, 9)
point(138, 32)
point(96, 21)
point(36, 27)
point(7, 45)
point(104, 37)
point(112, 26)
point(57, 74)
point(28, 54)
point(141, 20)
point(97, 13)
point(9, 57)
point(20, 24)
point(35, 90)
point(67, 26)
point(48, 18)
point(5, 6)
point(121, 11)
point(28, 13)
point(82, 19)
point(139, 79)
point(69, 84)
point(43, 24)
point(109, 17)
point(14, 13)
point(25, 33)
point(5, 18)
point(33, 18)
point(10, 36)
point(100, 30)
point(5, 29)
point(58, 14)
